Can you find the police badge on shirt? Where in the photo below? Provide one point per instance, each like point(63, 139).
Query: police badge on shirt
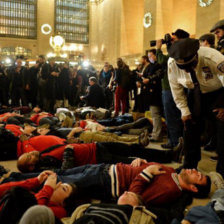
point(207, 73)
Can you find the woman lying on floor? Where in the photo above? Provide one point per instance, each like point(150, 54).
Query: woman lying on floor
point(57, 196)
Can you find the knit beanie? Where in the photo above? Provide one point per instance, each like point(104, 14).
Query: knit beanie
point(38, 214)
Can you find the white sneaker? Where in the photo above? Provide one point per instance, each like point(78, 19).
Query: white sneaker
point(216, 179)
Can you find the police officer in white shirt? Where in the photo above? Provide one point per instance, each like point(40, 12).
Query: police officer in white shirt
point(196, 80)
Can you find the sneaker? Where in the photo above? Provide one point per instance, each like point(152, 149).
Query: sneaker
point(144, 138)
point(217, 179)
point(214, 158)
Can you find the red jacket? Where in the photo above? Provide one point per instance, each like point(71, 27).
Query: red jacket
point(38, 143)
point(5, 116)
point(84, 153)
point(161, 189)
point(37, 117)
point(43, 196)
point(15, 129)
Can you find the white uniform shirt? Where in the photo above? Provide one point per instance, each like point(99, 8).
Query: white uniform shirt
point(209, 72)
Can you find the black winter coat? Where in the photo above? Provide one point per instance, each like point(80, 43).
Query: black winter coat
point(95, 97)
point(153, 90)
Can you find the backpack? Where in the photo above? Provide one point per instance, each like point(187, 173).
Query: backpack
point(14, 203)
point(140, 215)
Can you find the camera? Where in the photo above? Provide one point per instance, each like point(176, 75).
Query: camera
point(167, 40)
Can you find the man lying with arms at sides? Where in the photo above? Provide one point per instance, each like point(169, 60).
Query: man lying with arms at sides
point(105, 181)
point(59, 155)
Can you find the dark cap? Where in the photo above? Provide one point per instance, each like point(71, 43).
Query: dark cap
point(219, 24)
point(209, 37)
point(181, 34)
point(184, 50)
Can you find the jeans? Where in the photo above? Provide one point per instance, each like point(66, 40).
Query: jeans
point(92, 180)
point(123, 119)
point(138, 124)
point(173, 118)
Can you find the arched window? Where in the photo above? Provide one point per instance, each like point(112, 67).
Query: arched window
point(72, 20)
point(18, 18)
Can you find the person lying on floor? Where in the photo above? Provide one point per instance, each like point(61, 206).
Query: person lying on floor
point(89, 213)
point(19, 130)
point(212, 213)
point(44, 118)
point(14, 118)
point(100, 136)
point(71, 155)
point(9, 137)
point(42, 142)
point(39, 214)
point(70, 133)
point(78, 134)
point(122, 212)
point(129, 128)
point(106, 181)
point(57, 196)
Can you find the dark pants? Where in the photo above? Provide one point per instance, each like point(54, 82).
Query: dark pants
point(113, 152)
point(194, 129)
point(49, 120)
point(123, 119)
point(108, 98)
point(138, 124)
point(41, 93)
point(17, 94)
point(33, 96)
point(3, 97)
point(18, 120)
point(92, 180)
point(173, 118)
point(49, 104)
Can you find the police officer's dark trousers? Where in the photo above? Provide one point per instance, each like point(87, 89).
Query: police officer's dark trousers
point(201, 107)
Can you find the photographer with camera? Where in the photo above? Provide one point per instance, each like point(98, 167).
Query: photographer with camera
point(171, 112)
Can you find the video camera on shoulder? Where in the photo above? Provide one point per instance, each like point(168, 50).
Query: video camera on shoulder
point(167, 40)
